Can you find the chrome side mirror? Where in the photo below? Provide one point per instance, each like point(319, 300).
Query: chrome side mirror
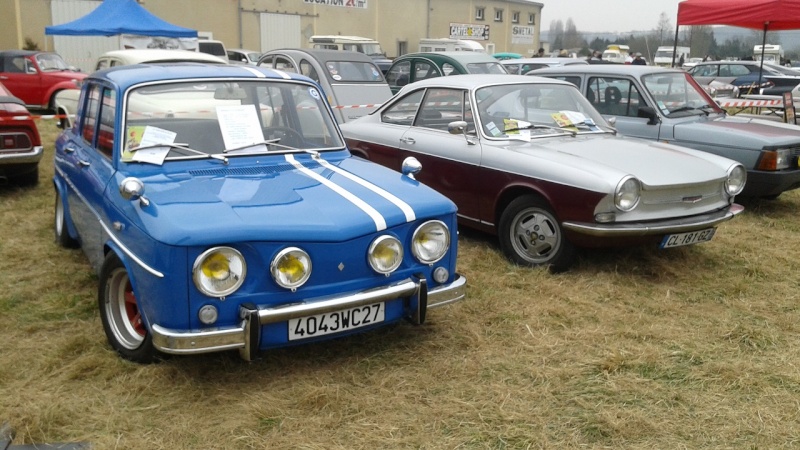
point(411, 166)
point(133, 189)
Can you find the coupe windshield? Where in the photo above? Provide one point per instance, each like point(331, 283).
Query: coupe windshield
point(676, 93)
point(51, 62)
point(486, 67)
point(524, 111)
point(233, 117)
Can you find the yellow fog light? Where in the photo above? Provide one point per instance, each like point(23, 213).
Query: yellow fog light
point(219, 271)
point(385, 254)
point(291, 268)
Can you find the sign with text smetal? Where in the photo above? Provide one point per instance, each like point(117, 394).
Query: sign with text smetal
point(521, 35)
point(360, 4)
point(469, 31)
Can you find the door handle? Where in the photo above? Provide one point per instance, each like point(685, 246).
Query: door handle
point(69, 149)
point(408, 140)
point(84, 163)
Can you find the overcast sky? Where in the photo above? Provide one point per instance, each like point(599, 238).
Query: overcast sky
point(609, 15)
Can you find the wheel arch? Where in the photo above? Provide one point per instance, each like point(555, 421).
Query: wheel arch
point(513, 192)
point(60, 186)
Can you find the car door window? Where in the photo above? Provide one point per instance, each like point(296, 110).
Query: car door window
point(398, 74)
point(285, 64)
point(449, 69)
point(441, 107)
point(307, 69)
point(614, 96)
point(424, 70)
point(92, 109)
point(107, 119)
point(737, 70)
point(404, 110)
point(709, 70)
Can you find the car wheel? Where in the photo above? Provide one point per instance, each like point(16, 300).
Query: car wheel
point(121, 315)
point(60, 226)
point(530, 235)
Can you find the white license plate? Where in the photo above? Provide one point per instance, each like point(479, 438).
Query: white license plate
point(692, 237)
point(335, 322)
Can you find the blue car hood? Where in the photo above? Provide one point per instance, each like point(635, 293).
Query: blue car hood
point(737, 132)
point(334, 202)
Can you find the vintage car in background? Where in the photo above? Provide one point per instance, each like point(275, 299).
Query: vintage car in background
point(222, 210)
point(524, 65)
point(420, 66)
point(503, 56)
point(748, 76)
point(66, 101)
point(244, 56)
point(530, 160)
point(20, 145)
point(36, 77)
point(668, 105)
point(352, 82)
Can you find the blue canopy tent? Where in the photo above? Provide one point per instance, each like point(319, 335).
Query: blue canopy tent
point(117, 17)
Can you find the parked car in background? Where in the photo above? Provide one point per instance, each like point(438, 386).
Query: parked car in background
point(213, 47)
point(241, 55)
point(66, 101)
point(691, 62)
point(668, 105)
point(36, 77)
point(503, 56)
point(20, 145)
point(524, 65)
point(530, 160)
point(775, 79)
point(353, 84)
point(420, 66)
point(367, 46)
point(218, 217)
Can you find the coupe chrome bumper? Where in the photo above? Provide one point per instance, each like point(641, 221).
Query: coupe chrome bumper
point(247, 336)
point(680, 225)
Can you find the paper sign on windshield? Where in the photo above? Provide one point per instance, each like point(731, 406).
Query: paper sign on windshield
point(240, 127)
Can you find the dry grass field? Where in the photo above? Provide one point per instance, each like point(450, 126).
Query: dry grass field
point(693, 347)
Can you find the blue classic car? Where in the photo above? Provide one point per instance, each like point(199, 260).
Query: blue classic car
point(222, 210)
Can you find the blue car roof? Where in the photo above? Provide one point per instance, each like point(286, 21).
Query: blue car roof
point(126, 76)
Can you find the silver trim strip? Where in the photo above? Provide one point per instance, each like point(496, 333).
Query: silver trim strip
point(380, 222)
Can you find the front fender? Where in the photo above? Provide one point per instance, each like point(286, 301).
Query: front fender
point(60, 185)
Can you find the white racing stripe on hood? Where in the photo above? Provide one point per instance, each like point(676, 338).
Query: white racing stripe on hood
point(405, 207)
point(380, 222)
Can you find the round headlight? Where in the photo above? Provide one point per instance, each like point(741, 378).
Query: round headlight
point(737, 176)
point(628, 193)
point(291, 268)
point(219, 271)
point(430, 242)
point(385, 254)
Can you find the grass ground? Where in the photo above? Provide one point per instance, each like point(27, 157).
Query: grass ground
point(694, 347)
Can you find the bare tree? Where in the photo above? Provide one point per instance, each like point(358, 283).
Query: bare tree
point(557, 34)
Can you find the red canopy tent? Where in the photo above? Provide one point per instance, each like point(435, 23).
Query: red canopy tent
point(769, 15)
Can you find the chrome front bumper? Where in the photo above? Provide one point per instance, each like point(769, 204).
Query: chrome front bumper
point(680, 225)
point(247, 336)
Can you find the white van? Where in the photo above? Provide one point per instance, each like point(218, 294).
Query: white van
point(367, 46)
point(663, 56)
point(450, 45)
point(616, 53)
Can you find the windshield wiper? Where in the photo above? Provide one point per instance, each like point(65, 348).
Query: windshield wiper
point(180, 146)
point(687, 108)
point(542, 127)
point(244, 147)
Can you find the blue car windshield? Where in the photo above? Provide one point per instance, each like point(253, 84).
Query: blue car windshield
point(228, 116)
point(677, 92)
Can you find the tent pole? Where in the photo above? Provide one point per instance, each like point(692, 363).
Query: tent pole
point(675, 46)
point(763, 45)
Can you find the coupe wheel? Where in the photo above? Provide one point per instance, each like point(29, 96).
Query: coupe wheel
point(530, 235)
point(120, 313)
point(60, 226)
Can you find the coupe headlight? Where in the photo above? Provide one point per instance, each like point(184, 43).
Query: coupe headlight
point(430, 242)
point(737, 176)
point(219, 271)
point(291, 268)
point(627, 194)
point(385, 254)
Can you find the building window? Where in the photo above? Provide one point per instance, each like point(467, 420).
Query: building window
point(498, 15)
point(531, 18)
point(479, 13)
point(515, 17)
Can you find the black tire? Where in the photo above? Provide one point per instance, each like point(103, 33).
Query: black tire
point(60, 225)
point(530, 235)
point(121, 316)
